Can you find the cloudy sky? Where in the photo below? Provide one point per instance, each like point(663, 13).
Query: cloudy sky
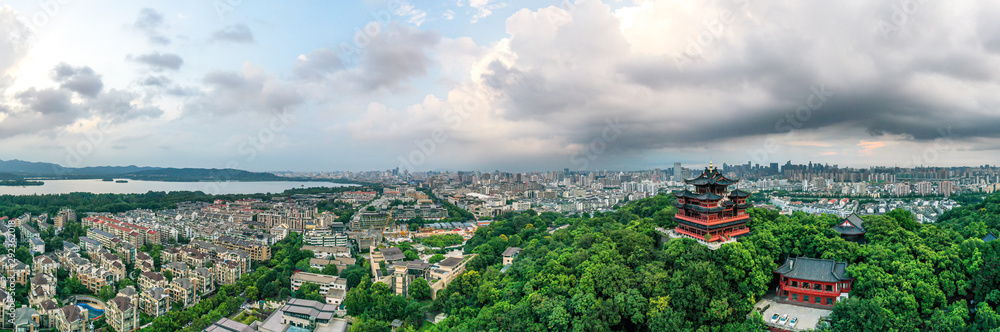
point(493, 84)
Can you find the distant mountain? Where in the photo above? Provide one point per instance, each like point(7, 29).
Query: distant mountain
point(36, 169)
point(18, 169)
point(201, 174)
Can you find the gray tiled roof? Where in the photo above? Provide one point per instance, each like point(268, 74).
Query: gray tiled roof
point(822, 270)
point(852, 225)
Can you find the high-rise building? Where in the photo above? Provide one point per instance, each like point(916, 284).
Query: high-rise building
point(946, 188)
point(677, 172)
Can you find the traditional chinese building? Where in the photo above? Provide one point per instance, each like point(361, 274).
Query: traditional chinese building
point(711, 212)
point(813, 281)
point(851, 228)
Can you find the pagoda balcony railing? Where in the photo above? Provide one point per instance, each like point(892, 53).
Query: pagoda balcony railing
point(712, 220)
point(810, 291)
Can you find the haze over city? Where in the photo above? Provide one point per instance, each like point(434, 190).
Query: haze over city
point(487, 84)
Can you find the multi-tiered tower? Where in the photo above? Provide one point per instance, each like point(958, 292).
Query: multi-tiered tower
point(712, 210)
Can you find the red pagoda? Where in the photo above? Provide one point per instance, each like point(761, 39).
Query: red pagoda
point(711, 209)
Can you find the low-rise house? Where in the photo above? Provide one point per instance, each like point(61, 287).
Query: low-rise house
point(305, 314)
point(509, 254)
point(326, 283)
point(228, 325)
point(69, 246)
point(342, 263)
point(36, 245)
point(328, 252)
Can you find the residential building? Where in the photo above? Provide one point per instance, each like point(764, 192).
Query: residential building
point(36, 245)
point(228, 272)
point(45, 264)
point(72, 318)
point(403, 273)
point(182, 291)
point(26, 319)
point(154, 301)
point(203, 279)
point(149, 280)
point(121, 314)
point(257, 251)
point(178, 269)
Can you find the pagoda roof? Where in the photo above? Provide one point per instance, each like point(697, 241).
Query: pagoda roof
point(739, 193)
point(709, 196)
point(852, 225)
point(711, 176)
point(822, 270)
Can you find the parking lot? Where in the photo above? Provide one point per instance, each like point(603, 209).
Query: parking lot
point(808, 317)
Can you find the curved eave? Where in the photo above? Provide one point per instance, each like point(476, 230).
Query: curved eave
point(712, 227)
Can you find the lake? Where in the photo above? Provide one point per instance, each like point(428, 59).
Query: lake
point(98, 186)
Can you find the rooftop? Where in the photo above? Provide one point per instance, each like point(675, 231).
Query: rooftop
point(823, 270)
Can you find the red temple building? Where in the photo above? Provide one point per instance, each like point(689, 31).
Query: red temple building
point(711, 209)
point(818, 282)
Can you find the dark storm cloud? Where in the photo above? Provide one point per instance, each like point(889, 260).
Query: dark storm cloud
point(237, 33)
point(158, 61)
point(757, 80)
point(82, 80)
point(149, 22)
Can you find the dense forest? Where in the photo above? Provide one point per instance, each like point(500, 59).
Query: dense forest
point(613, 272)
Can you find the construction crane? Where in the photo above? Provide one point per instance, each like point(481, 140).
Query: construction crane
point(388, 221)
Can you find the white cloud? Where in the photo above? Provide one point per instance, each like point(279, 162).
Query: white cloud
point(414, 16)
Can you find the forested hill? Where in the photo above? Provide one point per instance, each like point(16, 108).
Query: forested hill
point(975, 220)
point(609, 272)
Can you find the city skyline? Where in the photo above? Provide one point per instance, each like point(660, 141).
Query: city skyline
point(488, 84)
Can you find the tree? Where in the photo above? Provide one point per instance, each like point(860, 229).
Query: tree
point(354, 275)
point(411, 255)
point(436, 258)
point(169, 275)
point(106, 293)
point(420, 289)
point(251, 293)
point(330, 270)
